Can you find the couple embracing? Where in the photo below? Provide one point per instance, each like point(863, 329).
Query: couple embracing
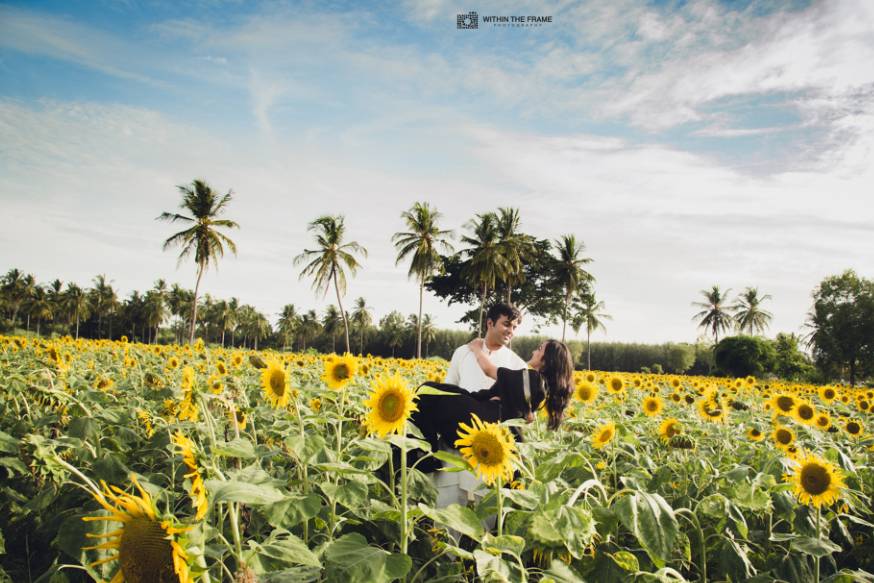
point(490, 381)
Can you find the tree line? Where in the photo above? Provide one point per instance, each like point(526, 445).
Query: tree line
point(547, 278)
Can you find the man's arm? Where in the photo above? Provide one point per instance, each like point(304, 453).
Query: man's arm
point(484, 362)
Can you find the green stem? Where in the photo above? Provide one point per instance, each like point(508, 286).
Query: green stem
point(818, 536)
point(500, 494)
point(404, 492)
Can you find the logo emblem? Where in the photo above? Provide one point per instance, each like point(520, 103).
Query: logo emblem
point(469, 20)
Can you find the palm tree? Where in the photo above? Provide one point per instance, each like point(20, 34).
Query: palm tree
point(429, 332)
point(14, 291)
point(76, 303)
point(516, 248)
point(569, 272)
point(104, 301)
point(392, 326)
point(713, 314)
point(179, 302)
point(326, 263)
point(421, 241)
point(55, 292)
point(309, 328)
point(39, 307)
point(748, 313)
point(27, 290)
point(590, 314)
point(331, 323)
point(288, 323)
point(361, 319)
point(203, 237)
point(485, 261)
point(154, 312)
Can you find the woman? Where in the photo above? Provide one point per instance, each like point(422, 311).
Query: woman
point(550, 380)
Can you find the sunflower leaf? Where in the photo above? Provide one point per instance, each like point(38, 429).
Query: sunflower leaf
point(245, 492)
point(651, 519)
point(456, 517)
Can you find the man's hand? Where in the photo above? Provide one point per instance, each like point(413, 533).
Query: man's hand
point(476, 345)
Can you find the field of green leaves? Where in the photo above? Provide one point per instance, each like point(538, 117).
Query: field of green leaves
point(133, 462)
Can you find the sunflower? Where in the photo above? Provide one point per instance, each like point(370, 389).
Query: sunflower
point(585, 392)
point(854, 427)
point(804, 413)
point(712, 410)
point(215, 384)
point(822, 421)
point(221, 367)
point(391, 404)
point(783, 404)
point(604, 435)
point(316, 404)
point(669, 428)
point(237, 360)
point(146, 420)
point(828, 394)
point(173, 362)
point(652, 406)
point(783, 436)
point(274, 381)
point(755, 434)
point(339, 370)
point(198, 489)
point(103, 383)
point(149, 548)
point(615, 385)
point(590, 377)
point(489, 448)
point(816, 481)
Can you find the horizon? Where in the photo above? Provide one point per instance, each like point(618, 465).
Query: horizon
point(687, 145)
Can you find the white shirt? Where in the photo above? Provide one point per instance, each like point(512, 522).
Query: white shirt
point(465, 372)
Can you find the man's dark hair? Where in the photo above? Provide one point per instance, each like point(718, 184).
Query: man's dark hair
point(500, 309)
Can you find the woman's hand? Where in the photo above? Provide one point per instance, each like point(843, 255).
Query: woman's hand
point(476, 345)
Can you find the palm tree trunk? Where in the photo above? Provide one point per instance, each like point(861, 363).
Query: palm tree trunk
point(567, 298)
point(28, 322)
point(482, 307)
point(77, 323)
point(194, 307)
point(361, 343)
point(38, 322)
point(588, 348)
point(342, 313)
point(419, 322)
point(223, 337)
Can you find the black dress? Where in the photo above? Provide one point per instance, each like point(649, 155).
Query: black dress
point(439, 415)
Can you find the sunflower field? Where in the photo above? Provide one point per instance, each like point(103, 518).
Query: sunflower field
point(152, 463)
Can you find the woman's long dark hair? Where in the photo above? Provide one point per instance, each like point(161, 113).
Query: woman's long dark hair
point(558, 372)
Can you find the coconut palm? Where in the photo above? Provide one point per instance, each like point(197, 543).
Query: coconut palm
point(591, 315)
point(203, 237)
point(104, 301)
point(14, 291)
point(55, 293)
point(331, 324)
point(569, 273)
point(516, 248)
point(748, 313)
point(326, 263)
point(422, 241)
point(309, 328)
point(154, 312)
point(288, 322)
point(38, 306)
point(714, 314)
point(429, 332)
point(485, 261)
point(76, 303)
point(361, 320)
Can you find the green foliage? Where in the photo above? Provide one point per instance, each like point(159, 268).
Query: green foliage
point(842, 322)
point(740, 356)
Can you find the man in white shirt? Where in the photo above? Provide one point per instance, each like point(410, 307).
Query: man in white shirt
point(464, 371)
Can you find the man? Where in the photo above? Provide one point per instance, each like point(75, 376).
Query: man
point(501, 322)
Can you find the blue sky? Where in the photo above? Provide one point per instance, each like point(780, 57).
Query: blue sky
point(686, 143)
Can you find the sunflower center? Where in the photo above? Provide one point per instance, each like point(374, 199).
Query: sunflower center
point(145, 553)
point(605, 436)
point(277, 382)
point(829, 394)
point(671, 430)
point(805, 412)
point(822, 421)
point(784, 436)
point(652, 405)
point(853, 427)
point(341, 372)
point(755, 432)
point(487, 449)
point(391, 407)
point(785, 403)
point(815, 479)
point(616, 384)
